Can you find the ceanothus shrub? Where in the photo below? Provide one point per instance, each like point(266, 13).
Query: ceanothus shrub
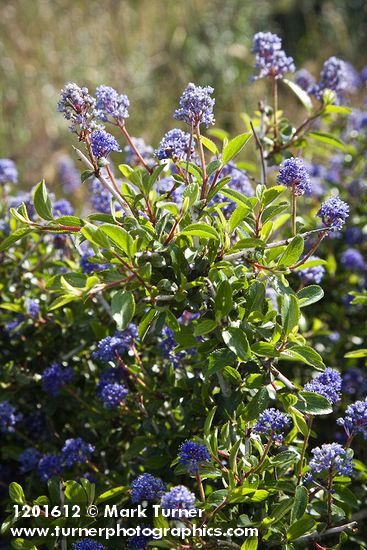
point(164, 347)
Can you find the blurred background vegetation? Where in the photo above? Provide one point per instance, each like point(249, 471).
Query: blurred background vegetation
point(150, 49)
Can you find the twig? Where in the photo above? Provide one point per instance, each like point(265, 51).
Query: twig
point(260, 147)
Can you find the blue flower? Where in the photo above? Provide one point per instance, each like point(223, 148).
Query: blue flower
point(353, 260)
point(100, 197)
point(178, 498)
point(111, 347)
point(355, 419)
point(56, 376)
point(270, 58)
point(76, 451)
point(110, 104)
point(174, 145)
point(193, 454)
point(90, 267)
point(76, 105)
point(328, 384)
point(50, 465)
point(312, 274)
point(272, 423)
point(9, 417)
point(331, 457)
point(62, 207)
point(8, 171)
point(146, 487)
point(29, 459)
point(334, 76)
point(304, 79)
point(112, 395)
point(354, 382)
point(167, 346)
point(239, 182)
point(103, 143)
point(294, 174)
point(196, 106)
point(87, 544)
point(140, 540)
point(68, 174)
point(333, 213)
point(146, 152)
point(32, 307)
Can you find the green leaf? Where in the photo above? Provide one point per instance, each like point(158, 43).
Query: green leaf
point(210, 145)
point(271, 194)
point(292, 252)
point(309, 295)
point(123, 308)
point(209, 421)
point(201, 230)
point(234, 146)
point(16, 493)
point(257, 405)
point(42, 201)
point(328, 139)
point(236, 341)
point(94, 235)
point(191, 192)
point(237, 197)
point(300, 503)
point(204, 327)
point(300, 527)
point(120, 237)
point(14, 237)
point(111, 493)
point(314, 404)
point(223, 301)
point(265, 349)
point(75, 492)
point(251, 543)
point(290, 312)
point(356, 354)
point(62, 301)
point(309, 356)
point(301, 94)
point(339, 109)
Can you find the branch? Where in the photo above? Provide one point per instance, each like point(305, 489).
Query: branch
point(333, 531)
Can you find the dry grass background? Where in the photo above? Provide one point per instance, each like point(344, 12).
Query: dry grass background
point(149, 49)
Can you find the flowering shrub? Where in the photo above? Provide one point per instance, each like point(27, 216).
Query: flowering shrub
point(174, 346)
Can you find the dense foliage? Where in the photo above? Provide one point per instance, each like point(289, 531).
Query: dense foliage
point(174, 344)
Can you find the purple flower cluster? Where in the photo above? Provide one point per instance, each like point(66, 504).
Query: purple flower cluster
point(146, 487)
point(90, 267)
point(8, 171)
point(304, 79)
point(353, 260)
point(9, 417)
point(271, 59)
point(192, 455)
point(333, 213)
point(354, 382)
point(178, 498)
point(55, 377)
point(328, 384)
point(355, 419)
point(294, 174)
point(239, 182)
point(272, 423)
point(331, 457)
point(29, 459)
point(110, 104)
point(87, 544)
point(62, 207)
point(109, 348)
point(32, 307)
point(68, 174)
point(76, 105)
point(103, 143)
point(112, 395)
point(145, 151)
point(167, 345)
point(174, 145)
point(140, 541)
point(76, 451)
point(100, 198)
point(50, 465)
point(312, 274)
point(334, 76)
point(196, 106)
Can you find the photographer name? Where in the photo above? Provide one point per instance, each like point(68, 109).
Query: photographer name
point(114, 511)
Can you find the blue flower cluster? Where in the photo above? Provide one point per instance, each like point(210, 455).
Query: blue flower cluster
point(304, 79)
point(355, 419)
point(354, 382)
point(76, 105)
point(50, 465)
point(239, 182)
point(272, 423)
point(112, 395)
point(8, 171)
point(312, 274)
point(328, 384)
point(139, 541)
point(334, 76)
point(192, 455)
point(270, 57)
point(103, 143)
point(353, 260)
point(68, 174)
point(196, 106)
point(167, 345)
point(32, 307)
point(62, 207)
point(174, 145)
point(178, 498)
point(110, 104)
point(29, 459)
point(330, 457)
point(334, 213)
point(145, 151)
point(146, 487)
point(55, 377)
point(294, 174)
point(109, 348)
point(100, 198)
point(76, 451)
point(9, 417)
point(88, 544)
point(90, 267)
